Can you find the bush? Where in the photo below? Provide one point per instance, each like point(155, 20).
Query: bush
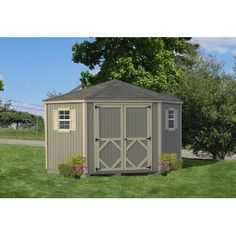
point(65, 170)
point(170, 162)
point(76, 161)
point(167, 158)
point(176, 164)
point(75, 166)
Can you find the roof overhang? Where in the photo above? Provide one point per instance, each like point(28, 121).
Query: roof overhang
point(111, 101)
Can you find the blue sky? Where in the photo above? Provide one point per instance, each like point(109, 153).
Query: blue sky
point(31, 67)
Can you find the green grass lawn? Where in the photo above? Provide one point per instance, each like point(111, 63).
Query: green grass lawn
point(21, 134)
point(22, 174)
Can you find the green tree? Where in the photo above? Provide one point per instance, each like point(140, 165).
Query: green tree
point(153, 63)
point(209, 112)
point(1, 85)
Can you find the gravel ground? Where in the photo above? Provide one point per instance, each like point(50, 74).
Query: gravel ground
point(34, 143)
point(202, 155)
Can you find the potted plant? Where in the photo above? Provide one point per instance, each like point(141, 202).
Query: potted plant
point(164, 168)
point(78, 171)
point(163, 172)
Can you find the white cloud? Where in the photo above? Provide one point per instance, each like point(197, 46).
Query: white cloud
point(1, 77)
point(219, 45)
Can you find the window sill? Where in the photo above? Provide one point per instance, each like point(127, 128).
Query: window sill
point(172, 129)
point(64, 131)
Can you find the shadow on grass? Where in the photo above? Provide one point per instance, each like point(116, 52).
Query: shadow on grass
point(196, 162)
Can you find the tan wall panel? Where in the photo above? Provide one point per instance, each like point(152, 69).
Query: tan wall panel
point(62, 145)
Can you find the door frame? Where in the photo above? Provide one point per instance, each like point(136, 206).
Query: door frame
point(122, 107)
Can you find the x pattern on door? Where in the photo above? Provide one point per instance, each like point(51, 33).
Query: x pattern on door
point(122, 137)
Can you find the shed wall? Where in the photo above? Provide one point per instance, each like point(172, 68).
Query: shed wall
point(62, 145)
point(171, 140)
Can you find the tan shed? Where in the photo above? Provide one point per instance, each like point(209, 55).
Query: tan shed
point(119, 127)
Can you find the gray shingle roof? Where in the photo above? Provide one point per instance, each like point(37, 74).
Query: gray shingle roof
point(113, 90)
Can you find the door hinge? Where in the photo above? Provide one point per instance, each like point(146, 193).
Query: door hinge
point(97, 139)
point(149, 106)
point(150, 138)
point(149, 167)
point(97, 169)
point(96, 106)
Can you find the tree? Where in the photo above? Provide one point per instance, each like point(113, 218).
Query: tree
point(1, 85)
point(209, 110)
point(53, 94)
point(153, 63)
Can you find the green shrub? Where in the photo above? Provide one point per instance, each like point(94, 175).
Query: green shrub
point(171, 160)
point(65, 170)
point(76, 161)
point(176, 164)
point(167, 158)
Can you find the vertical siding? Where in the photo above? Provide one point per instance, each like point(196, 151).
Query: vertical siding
point(109, 122)
point(155, 135)
point(63, 145)
point(171, 142)
point(136, 117)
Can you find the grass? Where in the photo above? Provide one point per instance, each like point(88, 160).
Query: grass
point(22, 175)
point(21, 134)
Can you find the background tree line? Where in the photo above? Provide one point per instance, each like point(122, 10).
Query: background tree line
point(174, 66)
point(9, 116)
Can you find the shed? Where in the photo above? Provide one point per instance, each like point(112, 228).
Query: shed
point(119, 127)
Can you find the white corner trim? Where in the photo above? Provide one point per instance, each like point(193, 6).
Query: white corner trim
point(159, 130)
point(46, 136)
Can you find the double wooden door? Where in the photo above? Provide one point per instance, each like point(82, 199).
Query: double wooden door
point(123, 137)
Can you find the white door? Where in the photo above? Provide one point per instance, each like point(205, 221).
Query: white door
point(123, 137)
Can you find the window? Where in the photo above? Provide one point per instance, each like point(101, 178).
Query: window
point(64, 120)
point(171, 119)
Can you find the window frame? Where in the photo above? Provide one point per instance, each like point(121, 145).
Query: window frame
point(171, 119)
point(66, 130)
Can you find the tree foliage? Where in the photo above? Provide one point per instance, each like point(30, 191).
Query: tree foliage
point(154, 63)
point(9, 116)
point(1, 85)
point(209, 110)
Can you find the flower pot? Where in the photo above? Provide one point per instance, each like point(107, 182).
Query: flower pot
point(164, 173)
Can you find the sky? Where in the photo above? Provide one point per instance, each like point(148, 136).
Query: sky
point(31, 67)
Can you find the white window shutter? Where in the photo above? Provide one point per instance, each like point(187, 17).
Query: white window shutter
point(166, 119)
point(55, 120)
point(73, 120)
point(176, 119)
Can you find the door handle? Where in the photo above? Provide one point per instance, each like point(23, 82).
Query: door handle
point(126, 139)
point(150, 138)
